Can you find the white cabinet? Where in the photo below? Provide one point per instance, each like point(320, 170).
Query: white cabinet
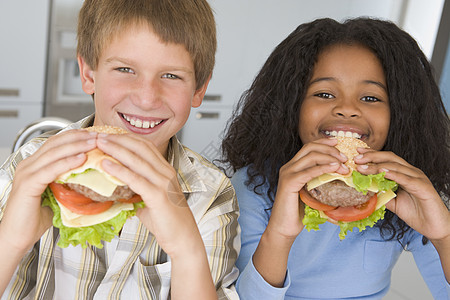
point(23, 53)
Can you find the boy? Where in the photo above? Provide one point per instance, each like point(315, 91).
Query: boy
point(145, 63)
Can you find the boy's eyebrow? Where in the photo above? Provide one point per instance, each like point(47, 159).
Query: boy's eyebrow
point(128, 62)
point(377, 83)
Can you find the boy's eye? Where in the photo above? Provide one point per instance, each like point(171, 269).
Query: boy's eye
point(324, 95)
point(370, 99)
point(124, 70)
point(170, 76)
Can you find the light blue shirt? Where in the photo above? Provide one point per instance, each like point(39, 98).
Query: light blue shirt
point(320, 266)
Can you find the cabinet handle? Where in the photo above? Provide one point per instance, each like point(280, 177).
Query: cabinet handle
point(212, 97)
point(9, 113)
point(207, 115)
point(9, 92)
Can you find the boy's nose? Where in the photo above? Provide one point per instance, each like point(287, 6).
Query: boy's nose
point(147, 94)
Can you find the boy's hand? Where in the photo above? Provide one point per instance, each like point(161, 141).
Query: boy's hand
point(25, 220)
point(166, 215)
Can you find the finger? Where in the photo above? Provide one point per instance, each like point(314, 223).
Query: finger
point(65, 144)
point(325, 146)
point(136, 154)
point(314, 158)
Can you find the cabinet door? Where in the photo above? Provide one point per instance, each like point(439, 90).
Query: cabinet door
point(14, 117)
point(23, 40)
point(204, 128)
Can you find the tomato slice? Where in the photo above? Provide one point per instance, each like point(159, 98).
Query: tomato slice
point(353, 213)
point(312, 202)
point(76, 202)
point(135, 199)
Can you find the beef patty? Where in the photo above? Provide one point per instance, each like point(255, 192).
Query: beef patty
point(121, 192)
point(337, 193)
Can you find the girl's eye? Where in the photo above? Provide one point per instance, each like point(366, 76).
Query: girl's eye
point(370, 99)
point(324, 95)
point(170, 76)
point(125, 70)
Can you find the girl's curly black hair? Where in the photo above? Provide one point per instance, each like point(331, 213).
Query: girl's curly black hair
point(263, 132)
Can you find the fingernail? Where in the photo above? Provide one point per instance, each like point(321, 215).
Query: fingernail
point(102, 135)
point(364, 167)
point(343, 155)
point(91, 141)
point(334, 164)
point(80, 155)
point(384, 170)
point(359, 156)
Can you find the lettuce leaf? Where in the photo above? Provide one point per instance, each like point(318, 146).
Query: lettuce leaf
point(312, 220)
point(83, 236)
point(364, 182)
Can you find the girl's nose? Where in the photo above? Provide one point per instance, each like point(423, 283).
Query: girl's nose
point(347, 109)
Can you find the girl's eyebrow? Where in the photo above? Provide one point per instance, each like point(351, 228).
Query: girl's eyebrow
point(377, 83)
point(381, 85)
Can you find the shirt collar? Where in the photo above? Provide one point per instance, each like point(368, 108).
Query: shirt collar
point(188, 177)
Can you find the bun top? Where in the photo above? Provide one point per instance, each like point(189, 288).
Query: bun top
point(347, 146)
point(107, 129)
point(95, 157)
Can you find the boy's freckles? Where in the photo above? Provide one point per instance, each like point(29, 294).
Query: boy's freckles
point(346, 95)
point(144, 85)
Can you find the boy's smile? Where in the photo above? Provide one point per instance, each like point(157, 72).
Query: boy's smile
point(143, 85)
point(347, 95)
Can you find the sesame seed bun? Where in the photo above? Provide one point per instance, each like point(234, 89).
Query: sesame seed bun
point(107, 129)
point(347, 146)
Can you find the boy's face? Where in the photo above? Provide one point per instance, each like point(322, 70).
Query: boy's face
point(143, 85)
point(347, 92)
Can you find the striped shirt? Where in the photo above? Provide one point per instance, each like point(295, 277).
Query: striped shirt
point(132, 265)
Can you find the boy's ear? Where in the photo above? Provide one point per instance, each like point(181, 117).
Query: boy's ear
point(86, 75)
point(200, 93)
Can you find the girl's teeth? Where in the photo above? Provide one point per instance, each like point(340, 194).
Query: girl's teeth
point(341, 133)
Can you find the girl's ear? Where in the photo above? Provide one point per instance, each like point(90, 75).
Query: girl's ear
point(86, 75)
point(200, 93)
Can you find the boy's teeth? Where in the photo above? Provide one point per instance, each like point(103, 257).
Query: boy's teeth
point(341, 133)
point(140, 123)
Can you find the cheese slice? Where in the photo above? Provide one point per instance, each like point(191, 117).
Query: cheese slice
point(71, 219)
point(94, 180)
point(327, 177)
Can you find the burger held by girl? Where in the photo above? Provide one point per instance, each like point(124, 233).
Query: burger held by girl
point(364, 78)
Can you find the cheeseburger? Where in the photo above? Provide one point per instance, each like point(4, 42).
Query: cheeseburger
point(89, 205)
point(351, 200)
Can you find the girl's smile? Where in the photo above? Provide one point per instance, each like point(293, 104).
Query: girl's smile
point(347, 95)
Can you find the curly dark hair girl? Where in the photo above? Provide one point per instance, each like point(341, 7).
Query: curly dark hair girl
point(263, 133)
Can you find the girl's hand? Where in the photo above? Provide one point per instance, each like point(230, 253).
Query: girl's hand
point(25, 220)
point(145, 170)
point(285, 223)
point(314, 159)
point(417, 202)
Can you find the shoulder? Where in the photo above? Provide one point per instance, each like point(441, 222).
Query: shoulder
point(248, 197)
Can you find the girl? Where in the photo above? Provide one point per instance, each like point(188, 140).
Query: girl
point(363, 76)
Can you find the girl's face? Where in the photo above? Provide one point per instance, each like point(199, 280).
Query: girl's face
point(348, 95)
